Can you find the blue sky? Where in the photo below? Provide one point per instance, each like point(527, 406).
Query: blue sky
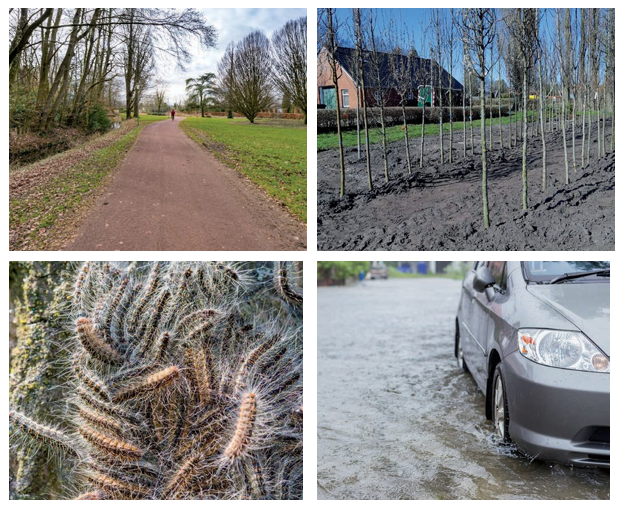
point(417, 21)
point(231, 25)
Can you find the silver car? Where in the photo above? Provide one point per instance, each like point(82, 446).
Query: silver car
point(535, 336)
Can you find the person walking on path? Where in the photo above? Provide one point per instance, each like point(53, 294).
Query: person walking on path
point(172, 113)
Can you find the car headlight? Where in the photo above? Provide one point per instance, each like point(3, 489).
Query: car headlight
point(562, 349)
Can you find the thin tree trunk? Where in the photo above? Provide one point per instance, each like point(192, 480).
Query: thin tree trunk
point(500, 109)
point(358, 127)
point(366, 132)
point(542, 106)
point(464, 116)
point(525, 123)
point(563, 121)
point(471, 114)
point(408, 153)
point(484, 167)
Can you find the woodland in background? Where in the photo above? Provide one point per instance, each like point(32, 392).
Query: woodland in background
point(554, 70)
point(67, 67)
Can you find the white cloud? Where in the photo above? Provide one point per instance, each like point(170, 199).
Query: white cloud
point(232, 25)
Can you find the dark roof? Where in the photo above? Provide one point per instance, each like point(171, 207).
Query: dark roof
point(420, 69)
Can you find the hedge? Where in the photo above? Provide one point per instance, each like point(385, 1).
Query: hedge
point(327, 121)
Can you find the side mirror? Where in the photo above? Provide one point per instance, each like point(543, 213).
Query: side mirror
point(483, 279)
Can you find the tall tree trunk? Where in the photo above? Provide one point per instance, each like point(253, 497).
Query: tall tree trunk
point(525, 121)
point(542, 107)
point(484, 168)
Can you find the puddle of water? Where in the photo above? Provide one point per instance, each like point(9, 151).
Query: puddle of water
point(396, 419)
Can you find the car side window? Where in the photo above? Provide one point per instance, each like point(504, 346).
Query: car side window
point(498, 270)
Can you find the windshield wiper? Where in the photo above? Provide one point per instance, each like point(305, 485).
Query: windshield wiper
point(572, 276)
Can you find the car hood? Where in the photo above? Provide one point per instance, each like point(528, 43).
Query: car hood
point(586, 305)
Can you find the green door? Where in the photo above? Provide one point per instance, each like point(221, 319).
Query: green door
point(425, 94)
point(328, 97)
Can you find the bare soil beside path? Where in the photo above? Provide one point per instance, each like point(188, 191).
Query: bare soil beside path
point(171, 194)
point(439, 207)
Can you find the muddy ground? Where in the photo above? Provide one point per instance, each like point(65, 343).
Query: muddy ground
point(397, 419)
point(439, 207)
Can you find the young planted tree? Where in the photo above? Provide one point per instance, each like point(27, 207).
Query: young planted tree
point(542, 103)
point(439, 61)
point(360, 53)
point(289, 47)
point(524, 28)
point(183, 381)
point(450, 40)
point(478, 26)
point(562, 43)
point(380, 82)
point(400, 67)
point(330, 43)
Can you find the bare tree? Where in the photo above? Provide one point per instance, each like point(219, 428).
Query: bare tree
point(563, 42)
point(400, 65)
point(246, 69)
point(329, 29)
point(439, 62)
point(161, 89)
point(542, 104)
point(289, 49)
point(450, 41)
point(360, 61)
point(478, 26)
point(380, 82)
point(523, 24)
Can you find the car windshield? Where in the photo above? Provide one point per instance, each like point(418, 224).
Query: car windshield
point(547, 271)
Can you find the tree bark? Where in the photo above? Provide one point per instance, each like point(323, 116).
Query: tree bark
point(38, 292)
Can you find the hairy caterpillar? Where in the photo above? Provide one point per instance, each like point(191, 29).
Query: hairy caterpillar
point(244, 427)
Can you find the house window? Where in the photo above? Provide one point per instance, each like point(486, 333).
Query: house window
point(345, 100)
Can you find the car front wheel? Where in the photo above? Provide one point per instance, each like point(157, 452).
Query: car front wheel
point(500, 410)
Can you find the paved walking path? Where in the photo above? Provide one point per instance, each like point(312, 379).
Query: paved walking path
point(171, 194)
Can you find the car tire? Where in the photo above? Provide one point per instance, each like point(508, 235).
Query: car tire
point(500, 409)
point(459, 352)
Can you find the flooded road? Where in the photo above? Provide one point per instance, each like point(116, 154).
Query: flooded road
point(398, 420)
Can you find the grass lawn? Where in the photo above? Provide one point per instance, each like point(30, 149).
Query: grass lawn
point(47, 197)
point(328, 141)
point(271, 153)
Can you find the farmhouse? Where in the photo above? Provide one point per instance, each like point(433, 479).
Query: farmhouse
point(424, 80)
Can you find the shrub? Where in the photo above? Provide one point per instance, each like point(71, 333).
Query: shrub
point(327, 120)
point(98, 119)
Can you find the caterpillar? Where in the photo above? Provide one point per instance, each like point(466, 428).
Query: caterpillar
point(108, 444)
point(183, 476)
point(94, 345)
point(118, 488)
point(285, 289)
point(244, 428)
point(151, 383)
point(251, 359)
point(106, 423)
point(44, 434)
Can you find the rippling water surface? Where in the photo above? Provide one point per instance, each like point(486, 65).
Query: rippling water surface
point(397, 419)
